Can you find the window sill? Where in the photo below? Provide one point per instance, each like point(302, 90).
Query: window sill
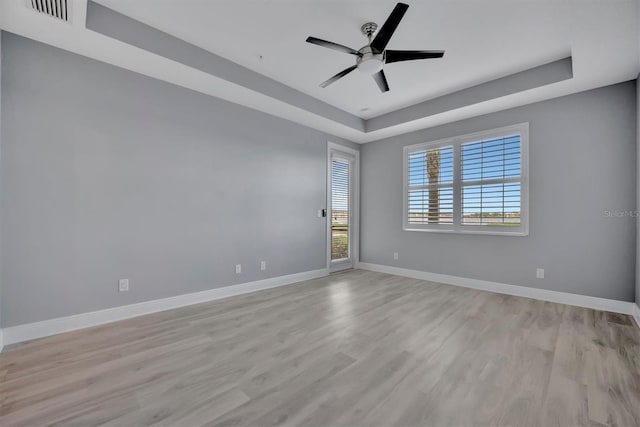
point(481, 232)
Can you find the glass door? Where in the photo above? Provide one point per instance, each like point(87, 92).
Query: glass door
point(341, 179)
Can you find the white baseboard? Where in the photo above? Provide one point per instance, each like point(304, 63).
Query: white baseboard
point(636, 314)
point(20, 333)
point(502, 288)
point(29, 331)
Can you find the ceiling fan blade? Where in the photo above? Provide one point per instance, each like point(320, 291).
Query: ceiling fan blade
point(381, 79)
point(410, 55)
point(338, 76)
point(332, 45)
point(389, 27)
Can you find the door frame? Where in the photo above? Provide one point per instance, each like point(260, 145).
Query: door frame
point(354, 211)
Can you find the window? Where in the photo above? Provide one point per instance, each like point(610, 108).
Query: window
point(469, 184)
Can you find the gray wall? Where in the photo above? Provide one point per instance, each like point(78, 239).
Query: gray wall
point(107, 174)
point(638, 190)
point(0, 157)
point(582, 163)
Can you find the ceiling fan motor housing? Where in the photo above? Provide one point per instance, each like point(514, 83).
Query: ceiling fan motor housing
point(370, 62)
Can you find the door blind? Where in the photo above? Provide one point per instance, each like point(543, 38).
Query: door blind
point(340, 208)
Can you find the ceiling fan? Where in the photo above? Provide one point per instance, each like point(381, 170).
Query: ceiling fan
point(371, 58)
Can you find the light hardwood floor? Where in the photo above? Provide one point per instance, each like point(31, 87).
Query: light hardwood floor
point(356, 348)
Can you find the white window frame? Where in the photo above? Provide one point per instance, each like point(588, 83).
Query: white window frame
point(456, 142)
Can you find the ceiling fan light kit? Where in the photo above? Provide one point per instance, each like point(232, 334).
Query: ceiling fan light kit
point(370, 62)
point(371, 58)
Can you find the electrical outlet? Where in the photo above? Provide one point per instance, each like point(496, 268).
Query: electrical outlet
point(395, 255)
point(263, 265)
point(540, 273)
point(123, 285)
point(238, 268)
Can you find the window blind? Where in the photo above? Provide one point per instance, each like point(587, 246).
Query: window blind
point(469, 184)
point(431, 186)
point(491, 190)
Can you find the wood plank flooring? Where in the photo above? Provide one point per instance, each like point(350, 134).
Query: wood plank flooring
point(357, 348)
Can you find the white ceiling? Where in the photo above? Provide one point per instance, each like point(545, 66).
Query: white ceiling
point(484, 40)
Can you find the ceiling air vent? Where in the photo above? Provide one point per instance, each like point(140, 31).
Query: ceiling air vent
point(55, 8)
